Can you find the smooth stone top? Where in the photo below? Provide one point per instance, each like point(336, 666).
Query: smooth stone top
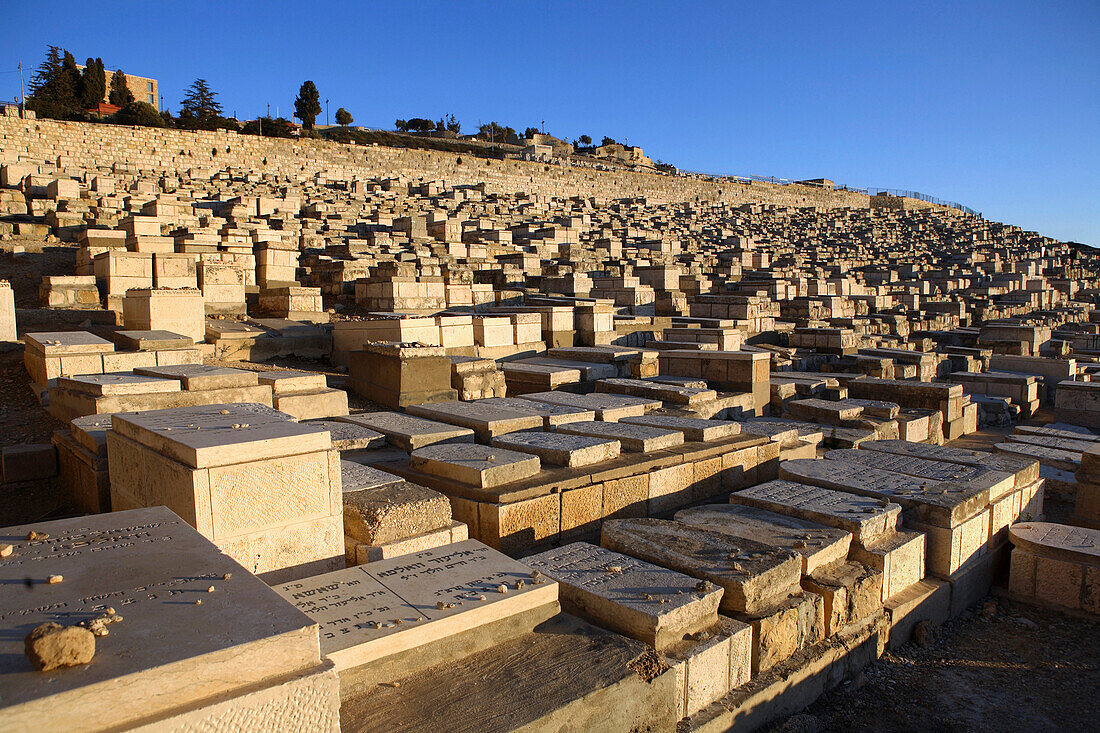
point(408, 432)
point(817, 544)
point(998, 483)
point(866, 518)
point(202, 376)
point(1058, 541)
point(693, 428)
point(373, 611)
point(636, 598)
point(117, 383)
point(475, 465)
point(59, 343)
point(167, 651)
point(560, 449)
point(220, 435)
point(634, 438)
point(755, 576)
point(348, 435)
point(152, 340)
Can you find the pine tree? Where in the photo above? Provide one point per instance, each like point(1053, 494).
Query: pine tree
point(56, 86)
point(201, 104)
point(95, 83)
point(343, 117)
point(120, 92)
point(308, 104)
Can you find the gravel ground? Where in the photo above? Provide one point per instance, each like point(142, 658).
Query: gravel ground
point(1001, 666)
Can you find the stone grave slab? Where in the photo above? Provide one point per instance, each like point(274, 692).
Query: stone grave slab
point(219, 435)
point(60, 343)
point(607, 407)
point(347, 436)
point(1025, 470)
point(817, 544)
point(551, 413)
point(188, 633)
point(373, 611)
point(117, 383)
point(866, 518)
point(152, 340)
point(755, 577)
point(475, 465)
point(694, 428)
point(202, 376)
point(998, 483)
point(633, 438)
point(1064, 460)
point(633, 597)
point(561, 449)
point(407, 432)
point(1058, 442)
point(1058, 541)
point(486, 421)
point(939, 503)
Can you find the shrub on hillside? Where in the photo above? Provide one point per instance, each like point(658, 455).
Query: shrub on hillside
point(138, 113)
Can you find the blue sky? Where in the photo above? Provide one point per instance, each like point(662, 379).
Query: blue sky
point(992, 104)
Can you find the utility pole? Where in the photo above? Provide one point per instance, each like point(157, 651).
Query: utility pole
point(327, 123)
point(22, 96)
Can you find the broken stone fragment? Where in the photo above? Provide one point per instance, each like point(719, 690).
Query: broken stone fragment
point(51, 645)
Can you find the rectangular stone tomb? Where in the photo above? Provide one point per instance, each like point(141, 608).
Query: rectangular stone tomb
point(185, 650)
point(755, 577)
point(486, 421)
point(694, 428)
point(551, 413)
point(1024, 470)
point(817, 544)
point(202, 376)
point(633, 438)
point(560, 449)
point(633, 597)
point(955, 518)
point(998, 483)
point(407, 432)
point(263, 488)
point(374, 611)
point(475, 465)
point(608, 407)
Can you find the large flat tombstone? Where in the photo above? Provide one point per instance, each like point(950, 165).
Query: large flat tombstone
point(638, 599)
point(633, 438)
point(201, 640)
point(608, 407)
point(117, 383)
point(955, 518)
point(939, 503)
point(487, 421)
point(202, 376)
point(694, 428)
point(1063, 460)
point(475, 465)
point(873, 524)
point(407, 432)
point(1024, 470)
point(754, 576)
point(560, 449)
point(551, 414)
point(998, 483)
point(868, 520)
point(817, 544)
point(383, 609)
point(263, 488)
point(1058, 442)
point(1057, 564)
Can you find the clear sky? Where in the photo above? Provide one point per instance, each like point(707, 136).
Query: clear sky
point(992, 104)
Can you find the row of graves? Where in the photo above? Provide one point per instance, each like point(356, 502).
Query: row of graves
point(411, 570)
point(629, 464)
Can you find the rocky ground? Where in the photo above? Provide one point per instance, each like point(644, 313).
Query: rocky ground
point(1002, 666)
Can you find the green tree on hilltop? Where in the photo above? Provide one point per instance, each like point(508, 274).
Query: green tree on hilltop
point(200, 107)
point(308, 104)
point(94, 82)
point(343, 117)
point(56, 87)
point(120, 95)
